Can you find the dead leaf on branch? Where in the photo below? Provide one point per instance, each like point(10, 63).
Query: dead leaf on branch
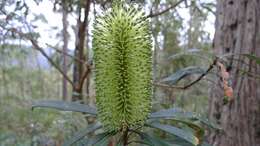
point(228, 90)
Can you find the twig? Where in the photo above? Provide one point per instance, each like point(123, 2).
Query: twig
point(88, 65)
point(192, 83)
point(209, 9)
point(37, 47)
point(166, 10)
point(67, 54)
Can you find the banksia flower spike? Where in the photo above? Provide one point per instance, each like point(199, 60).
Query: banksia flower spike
point(123, 67)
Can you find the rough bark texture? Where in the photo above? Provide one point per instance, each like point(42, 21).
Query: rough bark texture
point(237, 31)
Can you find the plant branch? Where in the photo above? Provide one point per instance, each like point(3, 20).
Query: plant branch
point(192, 83)
point(125, 137)
point(37, 47)
point(67, 54)
point(165, 10)
point(85, 74)
point(88, 65)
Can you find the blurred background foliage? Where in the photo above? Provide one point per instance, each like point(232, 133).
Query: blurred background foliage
point(182, 39)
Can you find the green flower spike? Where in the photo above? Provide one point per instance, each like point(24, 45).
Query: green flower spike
point(123, 67)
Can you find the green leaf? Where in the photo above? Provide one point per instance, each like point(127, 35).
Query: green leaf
point(66, 106)
point(81, 134)
point(151, 140)
point(178, 114)
point(182, 73)
point(209, 123)
point(186, 136)
point(253, 57)
point(171, 113)
point(98, 140)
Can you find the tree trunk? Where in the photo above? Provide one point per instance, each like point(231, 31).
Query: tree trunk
point(78, 69)
point(237, 31)
point(65, 35)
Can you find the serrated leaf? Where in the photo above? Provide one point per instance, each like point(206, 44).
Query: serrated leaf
point(186, 136)
point(65, 106)
point(81, 134)
point(182, 73)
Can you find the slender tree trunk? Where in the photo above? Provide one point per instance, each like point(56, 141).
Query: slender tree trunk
point(78, 68)
point(237, 31)
point(155, 52)
point(65, 35)
point(5, 83)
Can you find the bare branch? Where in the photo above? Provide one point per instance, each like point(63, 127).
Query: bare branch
point(37, 47)
point(166, 10)
point(67, 54)
point(209, 9)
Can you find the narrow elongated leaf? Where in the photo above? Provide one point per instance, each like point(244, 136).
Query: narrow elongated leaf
point(170, 113)
point(178, 114)
point(66, 106)
point(98, 140)
point(253, 57)
point(180, 142)
point(186, 136)
point(198, 130)
point(182, 73)
point(81, 134)
point(151, 140)
point(207, 122)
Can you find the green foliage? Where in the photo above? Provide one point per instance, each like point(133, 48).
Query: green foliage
point(194, 134)
point(186, 136)
point(152, 140)
point(66, 106)
point(81, 134)
point(123, 67)
point(22, 82)
point(182, 73)
point(23, 127)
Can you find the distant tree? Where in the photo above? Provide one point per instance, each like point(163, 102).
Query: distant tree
point(65, 36)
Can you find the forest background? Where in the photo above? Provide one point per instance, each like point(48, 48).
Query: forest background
point(46, 53)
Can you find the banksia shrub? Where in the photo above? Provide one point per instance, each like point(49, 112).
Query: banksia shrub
point(123, 67)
